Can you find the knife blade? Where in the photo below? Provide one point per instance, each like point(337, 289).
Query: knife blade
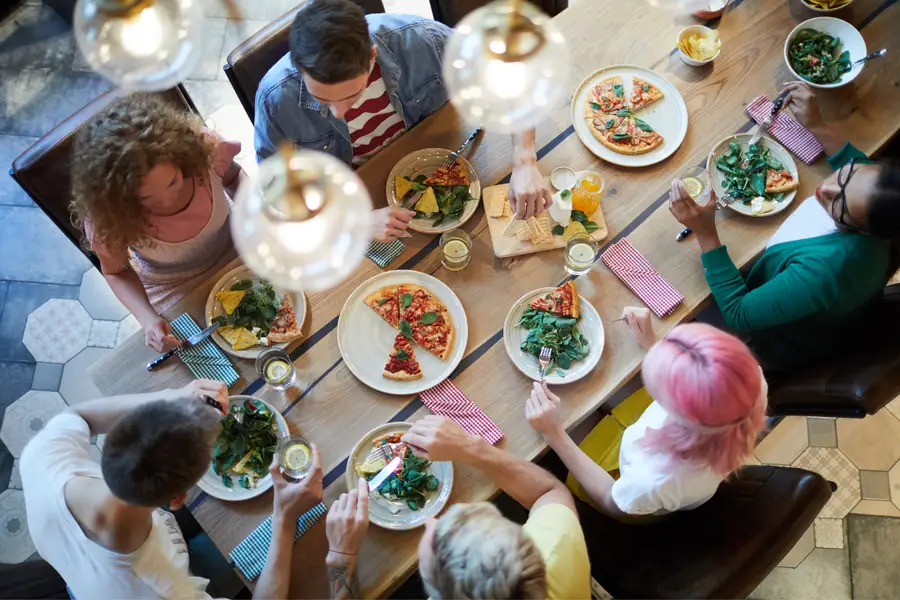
point(767, 122)
point(188, 343)
point(383, 474)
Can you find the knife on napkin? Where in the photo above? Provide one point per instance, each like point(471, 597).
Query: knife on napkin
point(186, 345)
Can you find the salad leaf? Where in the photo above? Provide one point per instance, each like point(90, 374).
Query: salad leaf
point(814, 56)
point(558, 230)
point(406, 329)
point(250, 442)
point(428, 318)
point(560, 334)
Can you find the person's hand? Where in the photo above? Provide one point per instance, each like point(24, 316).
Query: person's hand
point(804, 105)
point(638, 320)
point(390, 223)
point(294, 499)
point(439, 438)
point(158, 335)
point(542, 412)
point(528, 193)
point(348, 520)
point(207, 388)
point(701, 219)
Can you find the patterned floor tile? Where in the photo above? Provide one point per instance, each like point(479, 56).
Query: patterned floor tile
point(57, 331)
point(829, 533)
point(54, 260)
point(824, 575)
point(15, 479)
point(16, 544)
point(872, 443)
point(875, 485)
point(801, 549)
point(47, 376)
point(76, 385)
point(103, 334)
point(127, 327)
point(784, 444)
point(15, 379)
point(21, 301)
point(835, 467)
point(236, 32)
point(11, 146)
point(98, 299)
point(27, 416)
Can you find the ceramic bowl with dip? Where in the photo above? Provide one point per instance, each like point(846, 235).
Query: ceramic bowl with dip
point(562, 178)
point(698, 45)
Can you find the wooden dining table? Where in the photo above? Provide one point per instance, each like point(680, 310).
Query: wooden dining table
point(334, 409)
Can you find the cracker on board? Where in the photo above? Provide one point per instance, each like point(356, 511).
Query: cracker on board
point(523, 232)
point(495, 200)
point(540, 231)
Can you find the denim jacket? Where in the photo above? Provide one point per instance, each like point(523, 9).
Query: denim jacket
point(410, 51)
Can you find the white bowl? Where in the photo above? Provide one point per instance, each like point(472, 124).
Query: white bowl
point(825, 10)
point(851, 40)
point(688, 32)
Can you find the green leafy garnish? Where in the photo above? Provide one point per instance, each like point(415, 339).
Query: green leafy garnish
point(623, 112)
point(814, 56)
point(226, 481)
point(565, 194)
point(428, 318)
point(619, 90)
point(578, 216)
point(744, 173)
point(621, 135)
point(401, 355)
point(610, 124)
point(382, 301)
point(413, 483)
point(596, 106)
point(250, 442)
point(560, 334)
point(243, 284)
point(256, 309)
point(405, 301)
point(645, 88)
point(590, 226)
point(558, 230)
point(642, 125)
point(406, 329)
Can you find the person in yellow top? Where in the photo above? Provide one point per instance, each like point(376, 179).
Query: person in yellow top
point(472, 551)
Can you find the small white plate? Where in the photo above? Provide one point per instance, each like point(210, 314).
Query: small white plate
point(214, 309)
point(402, 517)
point(590, 325)
point(669, 116)
point(426, 162)
point(743, 140)
point(851, 40)
point(365, 339)
point(212, 483)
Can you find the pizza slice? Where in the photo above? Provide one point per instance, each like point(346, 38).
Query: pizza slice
point(607, 97)
point(780, 181)
point(561, 301)
point(643, 93)
point(455, 175)
point(384, 302)
point(425, 319)
point(285, 327)
point(620, 139)
point(402, 364)
point(603, 125)
point(644, 135)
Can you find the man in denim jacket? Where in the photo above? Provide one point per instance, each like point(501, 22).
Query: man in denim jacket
point(352, 83)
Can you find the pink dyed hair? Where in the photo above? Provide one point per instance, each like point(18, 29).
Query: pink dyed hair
point(709, 378)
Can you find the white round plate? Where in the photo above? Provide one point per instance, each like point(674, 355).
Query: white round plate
point(591, 327)
point(212, 483)
point(743, 140)
point(425, 162)
point(401, 517)
point(366, 340)
point(669, 116)
point(851, 40)
point(214, 309)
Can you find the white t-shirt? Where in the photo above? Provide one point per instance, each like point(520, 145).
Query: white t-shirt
point(809, 220)
point(653, 483)
point(158, 569)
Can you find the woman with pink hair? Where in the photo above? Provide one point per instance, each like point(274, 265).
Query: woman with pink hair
point(709, 403)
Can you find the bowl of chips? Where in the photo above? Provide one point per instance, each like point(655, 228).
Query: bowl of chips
point(826, 5)
point(698, 45)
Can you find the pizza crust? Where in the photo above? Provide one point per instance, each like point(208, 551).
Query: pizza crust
point(401, 375)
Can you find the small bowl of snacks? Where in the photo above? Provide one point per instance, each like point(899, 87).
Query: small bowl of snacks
point(826, 6)
point(698, 45)
point(821, 52)
point(712, 10)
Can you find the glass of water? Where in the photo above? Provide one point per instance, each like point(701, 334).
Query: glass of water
point(581, 250)
point(455, 246)
point(275, 367)
point(294, 457)
point(696, 181)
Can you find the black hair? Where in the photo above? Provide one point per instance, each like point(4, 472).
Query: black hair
point(884, 205)
point(330, 40)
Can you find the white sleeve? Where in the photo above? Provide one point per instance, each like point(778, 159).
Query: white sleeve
point(62, 447)
point(636, 497)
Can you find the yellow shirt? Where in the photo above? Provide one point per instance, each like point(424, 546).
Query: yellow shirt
point(557, 533)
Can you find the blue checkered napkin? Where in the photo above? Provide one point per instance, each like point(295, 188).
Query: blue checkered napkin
point(250, 555)
point(383, 254)
point(205, 360)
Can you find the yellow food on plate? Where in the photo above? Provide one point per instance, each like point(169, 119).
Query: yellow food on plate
point(230, 300)
point(701, 47)
point(402, 185)
point(573, 228)
point(827, 4)
point(229, 333)
point(245, 339)
point(427, 203)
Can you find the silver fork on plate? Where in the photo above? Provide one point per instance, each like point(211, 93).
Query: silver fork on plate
point(454, 156)
point(544, 360)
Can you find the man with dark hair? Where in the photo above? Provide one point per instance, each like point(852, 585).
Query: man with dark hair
point(100, 526)
point(353, 83)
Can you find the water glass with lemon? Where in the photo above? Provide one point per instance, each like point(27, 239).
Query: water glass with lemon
point(275, 367)
point(696, 181)
point(293, 457)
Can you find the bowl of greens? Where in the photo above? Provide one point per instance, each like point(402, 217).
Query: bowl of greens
point(575, 344)
point(439, 208)
point(243, 451)
point(821, 51)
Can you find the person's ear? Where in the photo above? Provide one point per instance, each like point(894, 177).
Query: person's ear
point(178, 501)
point(372, 58)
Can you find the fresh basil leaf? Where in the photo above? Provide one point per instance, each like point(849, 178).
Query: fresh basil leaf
point(610, 124)
point(619, 90)
point(226, 480)
point(578, 216)
point(428, 318)
point(558, 230)
point(590, 226)
point(382, 301)
point(623, 112)
point(642, 125)
point(596, 106)
point(406, 329)
point(243, 284)
point(621, 135)
point(245, 481)
point(405, 301)
point(758, 183)
point(402, 355)
point(565, 194)
point(645, 88)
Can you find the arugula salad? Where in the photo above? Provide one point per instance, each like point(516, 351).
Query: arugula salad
point(245, 447)
point(257, 307)
point(412, 483)
point(450, 200)
point(561, 334)
point(816, 56)
point(745, 172)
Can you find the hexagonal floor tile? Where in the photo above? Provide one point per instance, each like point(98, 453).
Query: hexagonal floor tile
point(127, 326)
point(76, 385)
point(872, 443)
point(785, 443)
point(833, 466)
point(98, 299)
point(26, 417)
point(15, 542)
point(57, 331)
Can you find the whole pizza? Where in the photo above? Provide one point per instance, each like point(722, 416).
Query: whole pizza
point(610, 115)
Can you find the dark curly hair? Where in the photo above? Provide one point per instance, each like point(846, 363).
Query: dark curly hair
point(884, 205)
point(116, 149)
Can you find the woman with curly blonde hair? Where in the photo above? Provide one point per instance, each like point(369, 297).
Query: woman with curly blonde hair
point(149, 185)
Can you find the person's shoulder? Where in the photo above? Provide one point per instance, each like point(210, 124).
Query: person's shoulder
point(281, 80)
point(66, 427)
point(392, 29)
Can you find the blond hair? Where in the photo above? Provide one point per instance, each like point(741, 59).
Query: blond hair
point(478, 553)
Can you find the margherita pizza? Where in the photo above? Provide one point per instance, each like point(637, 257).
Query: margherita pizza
point(643, 93)
point(780, 181)
point(607, 97)
point(285, 327)
point(561, 301)
point(402, 365)
point(384, 302)
point(610, 117)
point(426, 320)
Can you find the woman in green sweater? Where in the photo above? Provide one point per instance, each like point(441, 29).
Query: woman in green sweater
point(824, 268)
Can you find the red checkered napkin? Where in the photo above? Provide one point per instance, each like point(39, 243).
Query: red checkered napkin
point(632, 268)
point(447, 400)
point(786, 130)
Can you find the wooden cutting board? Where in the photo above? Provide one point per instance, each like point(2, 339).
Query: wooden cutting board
point(506, 246)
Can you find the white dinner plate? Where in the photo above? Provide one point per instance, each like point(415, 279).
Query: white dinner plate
point(669, 116)
point(366, 340)
point(743, 140)
point(212, 483)
point(426, 162)
point(214, 309)
point(513, 335)
point(395, 514)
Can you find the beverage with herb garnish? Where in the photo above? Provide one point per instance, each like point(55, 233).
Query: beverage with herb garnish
point(275, 367)
point(581, 250)
point(294, 457)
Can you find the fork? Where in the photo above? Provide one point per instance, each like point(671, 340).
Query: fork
point(544, 360)
point(382, 451)
point(454, 156)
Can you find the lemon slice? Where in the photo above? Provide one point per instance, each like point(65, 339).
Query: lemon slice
point(693, 186)
point(277, 371)
point(296, 457)
point(573, 228)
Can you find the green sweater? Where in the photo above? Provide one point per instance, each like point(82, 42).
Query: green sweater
point(803, 299)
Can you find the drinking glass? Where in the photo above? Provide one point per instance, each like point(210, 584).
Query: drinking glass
point(275, 367)
point(696, 182)
point(587, 193)
point(581, 251)
point(455, 246)
point(294, 457)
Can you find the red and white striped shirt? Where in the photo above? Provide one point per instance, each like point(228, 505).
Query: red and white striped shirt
point(372, 121)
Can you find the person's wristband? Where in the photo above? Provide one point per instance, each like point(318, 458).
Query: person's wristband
point(343, 553)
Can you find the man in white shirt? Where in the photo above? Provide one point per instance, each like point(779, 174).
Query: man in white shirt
point(100, 526)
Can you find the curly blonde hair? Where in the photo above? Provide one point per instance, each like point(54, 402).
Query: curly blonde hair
point(116, 149)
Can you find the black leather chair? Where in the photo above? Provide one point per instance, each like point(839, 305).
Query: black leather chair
point(43, 169)
point(248, 63)
point(451, 12)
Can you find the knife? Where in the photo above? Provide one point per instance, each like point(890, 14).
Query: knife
point(383, 474)
point(767, 122)
point(188, 343)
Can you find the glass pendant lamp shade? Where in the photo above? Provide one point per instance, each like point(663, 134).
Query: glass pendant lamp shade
point(506, 66)
point(303, 222)
point(146, 45)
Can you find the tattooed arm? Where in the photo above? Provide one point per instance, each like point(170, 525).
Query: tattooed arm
point(346, 524)
point(342, 573)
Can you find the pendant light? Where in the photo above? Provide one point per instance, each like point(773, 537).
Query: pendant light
point(303, 221)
